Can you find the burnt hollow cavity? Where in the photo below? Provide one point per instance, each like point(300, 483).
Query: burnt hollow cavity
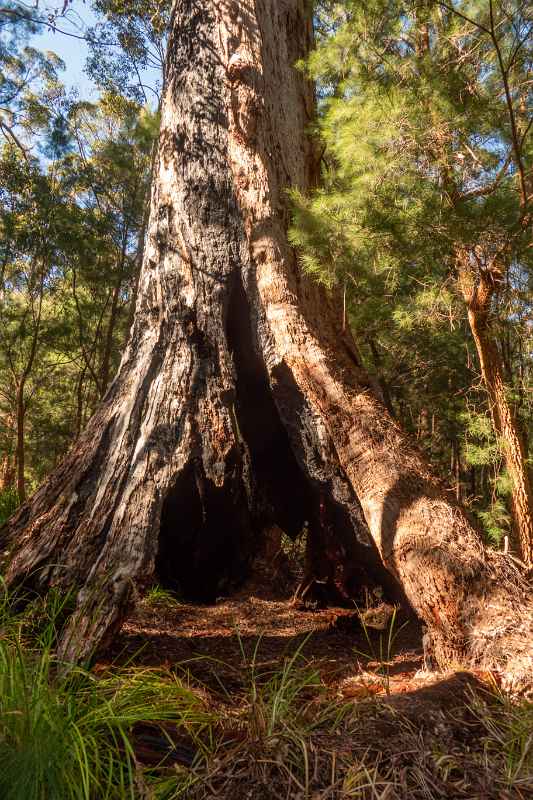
point(209, 534)
point(282, 494)
point(204, 541)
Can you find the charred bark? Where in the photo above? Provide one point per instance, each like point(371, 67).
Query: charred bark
point(240, 401)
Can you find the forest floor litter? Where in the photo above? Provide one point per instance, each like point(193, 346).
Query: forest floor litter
point(212, 639)
point(258, 696)
point(319, 704)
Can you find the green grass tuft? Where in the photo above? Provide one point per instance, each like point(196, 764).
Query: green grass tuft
point(70, 735)
point(158, 596)
point(9, 502)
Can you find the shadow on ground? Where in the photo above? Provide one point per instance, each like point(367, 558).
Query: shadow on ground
point(213, 642)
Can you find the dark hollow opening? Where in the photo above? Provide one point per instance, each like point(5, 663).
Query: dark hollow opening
point(209, 534)
point(282, 494)
point(204, 541)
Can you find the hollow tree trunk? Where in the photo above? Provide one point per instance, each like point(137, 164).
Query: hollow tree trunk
point(478, 295)
point(240, 399)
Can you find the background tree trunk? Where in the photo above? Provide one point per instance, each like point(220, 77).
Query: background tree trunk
point(478, 293)
point(7, 472)
point(105, 368)
point(240, 400)
point(21, 442)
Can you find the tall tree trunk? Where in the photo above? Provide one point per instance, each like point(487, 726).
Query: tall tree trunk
point(478, 292)
point(7, 459)
point(21, 443)
point(456, 466)
point(7, 472)
point(240, 400)
point(105, 369)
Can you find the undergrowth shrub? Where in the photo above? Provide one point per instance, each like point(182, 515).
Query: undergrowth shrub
point(9, 502)
point(68, 734)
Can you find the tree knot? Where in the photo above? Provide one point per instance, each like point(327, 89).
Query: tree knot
point(241, 67)
point(244, 76)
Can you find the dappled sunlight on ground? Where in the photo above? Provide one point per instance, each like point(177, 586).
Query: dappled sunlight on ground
point(216, 638)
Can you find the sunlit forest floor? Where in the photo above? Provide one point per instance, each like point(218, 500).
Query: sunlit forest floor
point(324, 703)
point(357, 653)
point(255, 696)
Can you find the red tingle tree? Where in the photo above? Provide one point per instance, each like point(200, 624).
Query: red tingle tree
point(241, 400)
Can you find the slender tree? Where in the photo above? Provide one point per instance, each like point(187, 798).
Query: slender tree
point(241, 398)
point(35, 223)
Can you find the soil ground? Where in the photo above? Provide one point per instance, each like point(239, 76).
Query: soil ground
point(212, 639)
point(406, 732)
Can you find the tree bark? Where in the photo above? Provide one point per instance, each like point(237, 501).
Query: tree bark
point(7, 472)
point(240, 400)
point(21, 443)
point(478, 293)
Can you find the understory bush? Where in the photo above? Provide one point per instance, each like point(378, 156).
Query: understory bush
point(9, 501)
point(68, 733)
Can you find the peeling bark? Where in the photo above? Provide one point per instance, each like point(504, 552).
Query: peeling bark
point(241, 401)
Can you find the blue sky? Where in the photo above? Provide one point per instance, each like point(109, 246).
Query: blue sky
point(73, 51)
point(67, 42)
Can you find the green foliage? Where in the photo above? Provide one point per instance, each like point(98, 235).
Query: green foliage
point(32, 98)
point(496, 521)
point(420, 164)
point(69, 737)
point(70, 734)
point(140, 29)
point(9, 502)
point(481, 446)
point(72, 236)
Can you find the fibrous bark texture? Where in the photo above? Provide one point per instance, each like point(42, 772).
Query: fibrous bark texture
point(478, 290)
point(240, 400)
